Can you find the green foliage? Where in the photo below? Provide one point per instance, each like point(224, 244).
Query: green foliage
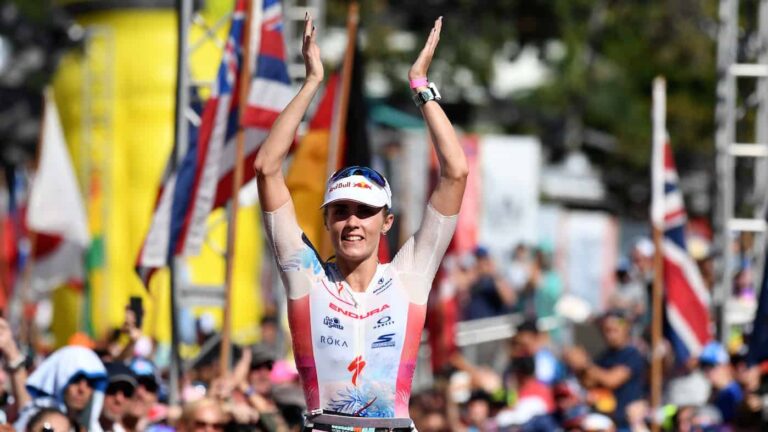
point(613, 50)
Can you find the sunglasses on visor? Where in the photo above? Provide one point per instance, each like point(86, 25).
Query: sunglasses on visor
point(366, 172)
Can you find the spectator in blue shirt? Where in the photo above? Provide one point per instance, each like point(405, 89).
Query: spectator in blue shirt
point(490, 294)
point(726, 391)
point(620, 369)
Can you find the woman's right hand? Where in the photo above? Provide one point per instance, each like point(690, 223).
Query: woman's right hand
point(311, 52)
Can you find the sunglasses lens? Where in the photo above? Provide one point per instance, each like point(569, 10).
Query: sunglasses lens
point(366, 172)
point(215, 426)
point(148, 383)
point(125, 389)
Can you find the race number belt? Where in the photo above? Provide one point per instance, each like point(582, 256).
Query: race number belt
point(343, 423)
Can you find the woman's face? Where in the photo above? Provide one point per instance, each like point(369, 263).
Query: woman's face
point(355, 229)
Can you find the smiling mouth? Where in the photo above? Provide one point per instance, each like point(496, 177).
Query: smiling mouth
point(352, 238)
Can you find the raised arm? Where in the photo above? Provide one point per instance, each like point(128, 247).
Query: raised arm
point(15, 364)
point(273, 192)
point(447, 196)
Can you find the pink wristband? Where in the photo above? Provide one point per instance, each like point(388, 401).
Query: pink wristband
point(419, 82)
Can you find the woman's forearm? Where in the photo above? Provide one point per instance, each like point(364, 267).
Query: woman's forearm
point(269, 160)
point(453, 162)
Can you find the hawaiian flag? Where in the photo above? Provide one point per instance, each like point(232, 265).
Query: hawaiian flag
point(687, 323)
point(203, 180)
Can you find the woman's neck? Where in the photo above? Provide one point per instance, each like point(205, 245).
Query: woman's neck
point(358, 275)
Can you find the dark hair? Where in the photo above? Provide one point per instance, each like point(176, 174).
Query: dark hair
point(525, 366)
point(529, 325)
point(42, 414)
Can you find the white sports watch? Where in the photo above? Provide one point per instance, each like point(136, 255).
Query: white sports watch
point(424, 96)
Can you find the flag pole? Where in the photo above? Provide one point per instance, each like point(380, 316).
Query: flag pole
point(657, 221)
point(336, 149)
point(237, 181)
point(336, 144)
point(181, 140)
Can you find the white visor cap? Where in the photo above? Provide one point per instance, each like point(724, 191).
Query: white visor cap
point(359, 189)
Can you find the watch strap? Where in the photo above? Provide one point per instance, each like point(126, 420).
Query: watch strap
point(424, 96)
point(13, 366)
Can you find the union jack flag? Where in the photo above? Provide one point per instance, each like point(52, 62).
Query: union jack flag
point(203, 180)
point(686, 305)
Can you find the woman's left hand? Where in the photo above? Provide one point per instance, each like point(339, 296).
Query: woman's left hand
point(309, 49)
point(421, 65)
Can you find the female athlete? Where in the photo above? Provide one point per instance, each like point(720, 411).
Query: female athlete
point(356, 323)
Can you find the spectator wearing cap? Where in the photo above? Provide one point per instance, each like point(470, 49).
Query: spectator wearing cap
point(726, 391)
point(620, 369)
point(490, 294)
point(118, 396)
point(262, 361)
point(145, 409)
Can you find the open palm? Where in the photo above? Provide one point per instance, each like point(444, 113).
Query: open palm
point(311, 52)
point(421, 65)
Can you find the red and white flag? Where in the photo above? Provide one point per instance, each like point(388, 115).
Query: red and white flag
point(686, 305)
point(55, 209)
point(203, 181)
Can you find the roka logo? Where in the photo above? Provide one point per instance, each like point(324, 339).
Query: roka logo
point(371, 312)
point(330, 340)
point(356, 367)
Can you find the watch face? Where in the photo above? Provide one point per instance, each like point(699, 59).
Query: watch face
point(435, 92)
point(422, 97)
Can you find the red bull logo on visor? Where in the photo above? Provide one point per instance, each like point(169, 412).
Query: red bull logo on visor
point(361, 185)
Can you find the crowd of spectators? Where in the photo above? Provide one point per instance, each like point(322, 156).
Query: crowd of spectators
point(117, 387)
point(546, 380)
point(593, 379)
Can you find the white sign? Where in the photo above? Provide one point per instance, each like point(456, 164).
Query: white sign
point(588, 244)
point(510, 199)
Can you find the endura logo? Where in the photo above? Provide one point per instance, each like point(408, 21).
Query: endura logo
point(356, 315)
